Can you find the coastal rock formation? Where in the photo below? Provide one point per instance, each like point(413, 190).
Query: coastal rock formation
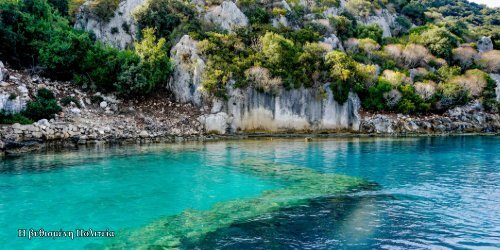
point(469, 118)
point(227, 15)
point(249, 110)
point(188, 71)
point(298, 109)
point(120, 31)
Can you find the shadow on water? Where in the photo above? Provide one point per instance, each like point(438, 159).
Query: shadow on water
point(348, 221)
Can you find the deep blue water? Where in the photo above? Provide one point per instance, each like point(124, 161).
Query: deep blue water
point(435, 192)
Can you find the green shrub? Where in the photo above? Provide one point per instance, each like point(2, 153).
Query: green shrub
point(343, 26)
point(13, 118)
point(67, 100)
point(372, 31)
point(374, 98)
point(43, 107)
point(439, 41)
point(166, 16)
point(410, 101)
point(257, 15)
point(451, 94)
point(347, 75)
point(154, 66)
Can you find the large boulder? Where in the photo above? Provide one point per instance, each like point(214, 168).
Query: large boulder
point(188, 71)
point(484, 44)
point(227, 15)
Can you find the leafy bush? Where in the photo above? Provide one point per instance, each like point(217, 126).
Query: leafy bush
point(67, 100)
point(452, 94)
point(14, 118)
point(374, 99)
point(343, 26)
point(257, 15)
point(154, 66)
point(43, 107)
point(166, 16)
point(489, 94)
point(346, 75)
point(438, 40)
point(372, 31)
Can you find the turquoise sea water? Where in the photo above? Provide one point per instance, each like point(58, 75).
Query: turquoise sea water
point(438, 192)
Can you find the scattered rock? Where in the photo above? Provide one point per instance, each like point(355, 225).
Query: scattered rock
point(103, 104)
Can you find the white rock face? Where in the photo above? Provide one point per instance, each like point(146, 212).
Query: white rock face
point(496, 77)
point(217, 123)
point(113, 31)
point(227, 15)
point(188, 71)
point(385, 20)
point(296, 109)
point(484, 44)
point(11, 106)
point(334, 42)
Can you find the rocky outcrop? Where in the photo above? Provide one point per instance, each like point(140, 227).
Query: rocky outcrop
point(484, 44)
point(227, 15)
point(188, 71)
point(298, 109)
point(384, 19)
point(13, 93)
point(468, 119)
point(249, 109)
point(120, 31)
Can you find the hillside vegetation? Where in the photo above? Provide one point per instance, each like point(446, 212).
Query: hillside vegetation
point(429, 63)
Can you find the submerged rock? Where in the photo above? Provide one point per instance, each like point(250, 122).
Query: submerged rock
point(300, 186)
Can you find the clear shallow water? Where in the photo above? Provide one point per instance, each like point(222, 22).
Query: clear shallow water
point(435, 193)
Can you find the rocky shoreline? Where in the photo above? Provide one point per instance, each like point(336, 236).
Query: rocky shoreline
point(98, 118)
